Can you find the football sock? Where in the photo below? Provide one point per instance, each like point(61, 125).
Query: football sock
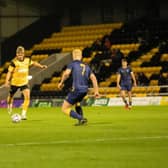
point(75, 115)
point(130, 103)
point(24, 113)
point(125, 101)
point(25, 104)
point(9, 108)
point(10, 103)
point(79, 110)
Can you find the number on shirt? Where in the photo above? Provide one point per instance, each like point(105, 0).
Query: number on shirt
point(83, 68)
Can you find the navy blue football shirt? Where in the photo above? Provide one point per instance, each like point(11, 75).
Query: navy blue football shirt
point(125, 75)
point(80, 75)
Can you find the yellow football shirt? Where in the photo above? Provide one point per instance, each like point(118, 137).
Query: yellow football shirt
point(20, 71)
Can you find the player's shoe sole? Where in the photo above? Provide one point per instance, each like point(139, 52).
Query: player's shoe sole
point(23, 118)
point(81, 122)
point(127, 107)
point(130, 107)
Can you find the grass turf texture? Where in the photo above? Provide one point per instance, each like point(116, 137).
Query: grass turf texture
point(113, 138)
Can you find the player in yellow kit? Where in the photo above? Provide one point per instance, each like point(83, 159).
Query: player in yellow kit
point(17, 78)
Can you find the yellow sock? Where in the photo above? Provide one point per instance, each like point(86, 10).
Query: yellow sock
point(25, 104)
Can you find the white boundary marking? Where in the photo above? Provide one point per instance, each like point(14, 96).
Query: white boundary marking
point(85, 141)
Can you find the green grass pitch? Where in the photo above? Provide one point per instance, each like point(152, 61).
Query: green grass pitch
point(113, 138)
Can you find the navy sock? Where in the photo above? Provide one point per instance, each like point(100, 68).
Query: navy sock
point(75, 115)
point(125, 101)
point(79, 110)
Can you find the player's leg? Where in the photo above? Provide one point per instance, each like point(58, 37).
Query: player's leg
point(129, 88)
point(67, 109)
point(25, 105)
point(72, 99)
point(130, 99)
point(78, 108)
point(10, 103)
point(10, 98)
point(123, 95)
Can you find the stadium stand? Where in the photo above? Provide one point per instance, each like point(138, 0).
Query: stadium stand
point(142, 42)
point(66, 40)
point(139, 50)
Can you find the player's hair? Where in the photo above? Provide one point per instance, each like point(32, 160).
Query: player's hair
point(20, 49)
point(124, 60)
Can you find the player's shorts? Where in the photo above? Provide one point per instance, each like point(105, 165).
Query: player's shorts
point(126, 87)
point(13, 89)
point(75, 97)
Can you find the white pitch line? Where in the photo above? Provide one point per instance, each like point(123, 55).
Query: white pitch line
point(84, 141)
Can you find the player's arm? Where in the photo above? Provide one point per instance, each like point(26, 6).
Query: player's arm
point(8, 77)
point(133, 78)
point(95, 84)
point(36, 64)
point(9, 74)
point(65, 76)
point(118, 80)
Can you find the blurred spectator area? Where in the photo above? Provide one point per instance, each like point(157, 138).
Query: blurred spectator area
point(103, 46)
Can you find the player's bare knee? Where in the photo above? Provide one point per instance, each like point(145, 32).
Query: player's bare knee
point(66, 110)
point(62, 109)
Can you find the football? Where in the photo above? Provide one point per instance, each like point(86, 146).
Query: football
point(16, 118)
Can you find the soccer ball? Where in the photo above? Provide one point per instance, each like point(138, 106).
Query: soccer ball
point(16, 118)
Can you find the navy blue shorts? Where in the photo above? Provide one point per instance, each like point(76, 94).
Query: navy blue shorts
point(126, 87)
point(75, 97)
